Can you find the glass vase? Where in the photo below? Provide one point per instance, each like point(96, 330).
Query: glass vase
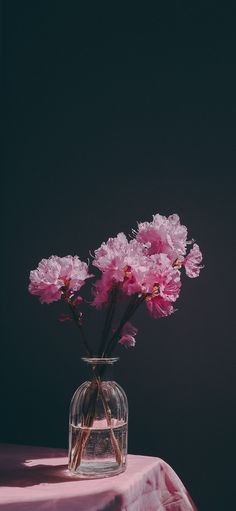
point(98, 424)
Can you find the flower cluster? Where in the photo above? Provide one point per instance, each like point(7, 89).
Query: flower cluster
point(150, 264)
point(57, 275)
point(146, 268)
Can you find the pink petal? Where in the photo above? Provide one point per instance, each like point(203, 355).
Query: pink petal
point(159, 307)
point(192, 262)
point(128, 334)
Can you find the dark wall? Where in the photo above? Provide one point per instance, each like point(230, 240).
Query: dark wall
point(109, 121)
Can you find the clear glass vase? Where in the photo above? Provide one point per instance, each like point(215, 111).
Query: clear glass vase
point(98, 424)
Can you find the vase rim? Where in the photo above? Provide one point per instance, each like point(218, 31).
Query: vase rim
point(100, 360)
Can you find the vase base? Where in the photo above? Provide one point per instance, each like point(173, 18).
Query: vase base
point(96, 470)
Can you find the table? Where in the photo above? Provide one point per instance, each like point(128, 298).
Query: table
point(37, 479)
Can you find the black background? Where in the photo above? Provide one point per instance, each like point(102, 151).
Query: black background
point(111, 117)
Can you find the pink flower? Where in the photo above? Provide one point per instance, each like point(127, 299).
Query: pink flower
point(122, 262)
point(192, 262)
point(56, 273)
point(110, 255)
point(163, 235)
point(128, 334)
point(162, 278)
point(159, 307)
point(162, 285)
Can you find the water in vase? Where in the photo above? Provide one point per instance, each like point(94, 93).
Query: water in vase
point(98, 451)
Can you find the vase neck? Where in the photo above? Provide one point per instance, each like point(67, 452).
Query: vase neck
point(101, 366)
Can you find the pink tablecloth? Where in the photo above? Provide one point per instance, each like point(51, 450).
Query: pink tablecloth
point(36, 479)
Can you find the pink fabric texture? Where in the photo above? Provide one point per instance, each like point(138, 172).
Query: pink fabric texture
point(36, 479)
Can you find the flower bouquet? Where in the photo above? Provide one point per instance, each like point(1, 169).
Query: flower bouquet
point(142, 270)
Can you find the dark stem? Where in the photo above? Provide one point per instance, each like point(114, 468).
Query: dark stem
point(135, 302)
point(77, 322)
point(108, 320)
